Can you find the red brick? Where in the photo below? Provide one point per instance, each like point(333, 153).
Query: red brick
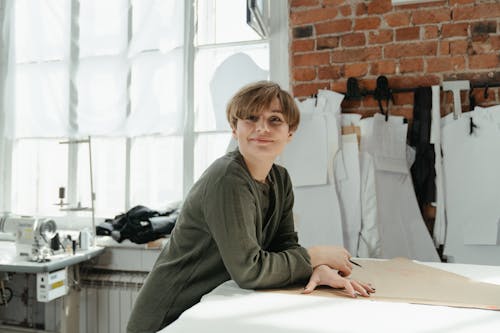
point(379, 6)
point(461, 2)
point(308, 89)
point(484, 61)
point(403, 98)
point(402, 111)
point(423, 4)
point(411, 65)
point(368, 23)
point(313, 15)
point(345, 10)
point(435, 65)
point(304, 3)
point(454, 30)
point(411, 33)
point(335, 26)
point(361, 9)
point(410, 50)
point(354, 39)
point(327, 43)
point(356, 70)
point(431, 32)
point(477, 12)
point(420, 17)
point(407, 81)
point(383, 67)
point(311, 59)
point(380, 36)
point(481, 46)
point(444, 47)
point(397, 19)
point(301, 45)
point(495, 42)
point(370, 101)
point(348, 104)
point(330, 72)
point(334, 2)
point(458, 47)
point(356, 55)
point(304, 74)
point(339, 85)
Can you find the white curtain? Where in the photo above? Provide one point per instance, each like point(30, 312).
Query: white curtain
point(108, 69)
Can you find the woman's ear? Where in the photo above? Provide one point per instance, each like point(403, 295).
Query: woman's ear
point(290, 135)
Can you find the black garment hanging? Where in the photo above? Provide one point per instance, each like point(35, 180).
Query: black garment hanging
point(423, 171)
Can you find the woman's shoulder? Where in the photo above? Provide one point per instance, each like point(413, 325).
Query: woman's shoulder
point(230, 165)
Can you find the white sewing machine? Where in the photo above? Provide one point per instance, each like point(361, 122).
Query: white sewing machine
point(32, 235)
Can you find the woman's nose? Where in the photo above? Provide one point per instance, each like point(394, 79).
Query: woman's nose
point(262, 124)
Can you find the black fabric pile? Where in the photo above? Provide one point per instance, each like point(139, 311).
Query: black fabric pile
point(140, 224)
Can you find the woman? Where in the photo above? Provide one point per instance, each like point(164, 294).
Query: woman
point(237, 223)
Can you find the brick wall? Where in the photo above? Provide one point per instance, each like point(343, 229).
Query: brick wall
point(413, 45)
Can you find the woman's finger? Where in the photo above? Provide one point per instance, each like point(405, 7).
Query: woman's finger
point(359, 288)
point(348, 287)
point(310, 287)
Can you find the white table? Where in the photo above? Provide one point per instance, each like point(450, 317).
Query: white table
point(229, 308)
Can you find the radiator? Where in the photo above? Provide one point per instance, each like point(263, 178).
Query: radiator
point(106, 299)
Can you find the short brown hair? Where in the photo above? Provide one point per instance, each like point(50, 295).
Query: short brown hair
point(254, 97)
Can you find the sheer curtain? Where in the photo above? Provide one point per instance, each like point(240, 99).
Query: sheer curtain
point(112, 70)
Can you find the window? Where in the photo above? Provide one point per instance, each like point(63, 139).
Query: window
point(131, 75)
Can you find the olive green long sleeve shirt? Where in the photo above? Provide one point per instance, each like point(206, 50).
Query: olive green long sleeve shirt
point(220, 235)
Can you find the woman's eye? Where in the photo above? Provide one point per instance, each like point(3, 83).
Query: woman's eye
point(252, 118)
point(276, 120)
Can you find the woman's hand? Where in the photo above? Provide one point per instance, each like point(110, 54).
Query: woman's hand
point(325, 276)
point(334, 256)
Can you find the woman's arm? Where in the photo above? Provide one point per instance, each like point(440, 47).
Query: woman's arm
point(230, 211)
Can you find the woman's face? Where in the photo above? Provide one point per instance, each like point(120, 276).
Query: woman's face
point(263, 135)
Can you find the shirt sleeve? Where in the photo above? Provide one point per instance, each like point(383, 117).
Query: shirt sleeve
point(230, 211)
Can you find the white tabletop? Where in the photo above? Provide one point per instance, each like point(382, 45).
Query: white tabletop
point(229, 308)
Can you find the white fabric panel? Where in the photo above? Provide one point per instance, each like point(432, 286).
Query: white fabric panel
point(316, 209)
point(42, 30)
point(455, 248)
point(369, 236)
point(435, 139)
point(471, 164)
point(402, 230)
point(157, 102)
point(157, 24)
point(317, 216)
point(305, 157)
point(41, 100)
point(347, 177)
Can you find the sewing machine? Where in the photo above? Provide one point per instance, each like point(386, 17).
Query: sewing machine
point(33, 236)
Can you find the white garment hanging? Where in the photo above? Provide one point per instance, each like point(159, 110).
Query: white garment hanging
point(472, 186)
point(402, 230)
point(369, 236)
point(305, 157)
point(439, 232)
point(347, 178)
point(316, 209)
